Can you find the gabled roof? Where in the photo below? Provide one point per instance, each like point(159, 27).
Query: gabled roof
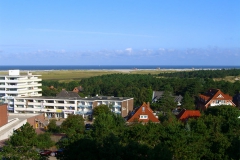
point(156, 95)
point(69, 94)
point(214, 94)
point(78, 89)
point(185, 114)
point(144, 110)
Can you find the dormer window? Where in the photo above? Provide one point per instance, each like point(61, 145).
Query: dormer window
point(143, 116)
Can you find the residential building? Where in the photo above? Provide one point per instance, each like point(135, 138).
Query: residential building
point(61, 107)
point(157, 95)
point(213, 97)
point(19, 85)
point(78, 89)
point(184, 114)
point(142, 114)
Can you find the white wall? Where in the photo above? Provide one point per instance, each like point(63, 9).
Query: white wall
point(7, 130)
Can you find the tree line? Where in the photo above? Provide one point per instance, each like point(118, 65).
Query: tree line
point(203, 73)
point(141, 86)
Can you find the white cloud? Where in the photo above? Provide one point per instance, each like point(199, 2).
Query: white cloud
point(129, 50)
point(161, 49)
point(124, 56)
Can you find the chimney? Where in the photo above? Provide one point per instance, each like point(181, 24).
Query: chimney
point(148, 104)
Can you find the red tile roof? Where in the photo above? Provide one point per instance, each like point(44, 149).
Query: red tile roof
point(144, 110)
point(185, 114)
point(215, 94)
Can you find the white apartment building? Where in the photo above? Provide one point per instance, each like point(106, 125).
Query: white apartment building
point(61, 107)
point(16, 85)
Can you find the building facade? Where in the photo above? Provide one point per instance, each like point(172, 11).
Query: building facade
point(213, 97)
point(3, 114)
point(61, 107)
point(16, 85)
point(143, 114)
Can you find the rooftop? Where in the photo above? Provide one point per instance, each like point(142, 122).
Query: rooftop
point(79, 98)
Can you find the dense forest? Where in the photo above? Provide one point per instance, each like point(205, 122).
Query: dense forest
point(203, 73)
point(141, 86)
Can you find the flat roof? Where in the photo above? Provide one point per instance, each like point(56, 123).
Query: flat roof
point(78, 98)
point(21, 116)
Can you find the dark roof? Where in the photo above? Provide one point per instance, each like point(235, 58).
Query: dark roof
point(178, 98)
point(158, 94)
point(65, 93)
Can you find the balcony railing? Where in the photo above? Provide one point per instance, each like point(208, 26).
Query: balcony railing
point(84, 106)
point(83, 112)
point(116, 106)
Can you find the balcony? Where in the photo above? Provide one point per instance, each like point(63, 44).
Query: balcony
point(218, 104)
point(84, 112)
point(84, 106)
point(116, 106)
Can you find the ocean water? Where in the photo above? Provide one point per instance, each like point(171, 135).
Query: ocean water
point(108, 67)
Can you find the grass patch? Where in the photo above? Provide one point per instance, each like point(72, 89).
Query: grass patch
point(69, 75)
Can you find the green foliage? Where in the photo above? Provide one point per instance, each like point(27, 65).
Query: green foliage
point(21, 144)
point(44, 141)
point(105, 124)
point(215, 135)
point(203, 73)
point(101, 109)
point(167, 102)
point(140, 86)
point(205, 138)
point(188, 102)
point(228, 115)
point(25, 135)
point(52, 126)
point(74, 124)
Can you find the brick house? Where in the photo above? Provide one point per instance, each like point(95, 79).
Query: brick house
point(143, 114)
point(213, 97)
point(3, 114)
point(78, 89)
point(37, 121)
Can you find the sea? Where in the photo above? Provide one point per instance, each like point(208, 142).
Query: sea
point(112, 67)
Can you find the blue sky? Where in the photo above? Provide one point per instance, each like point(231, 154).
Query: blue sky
point(121, 32)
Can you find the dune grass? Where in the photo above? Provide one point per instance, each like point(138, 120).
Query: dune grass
point(69, 75)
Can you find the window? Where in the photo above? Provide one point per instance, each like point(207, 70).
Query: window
point(143, 116)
